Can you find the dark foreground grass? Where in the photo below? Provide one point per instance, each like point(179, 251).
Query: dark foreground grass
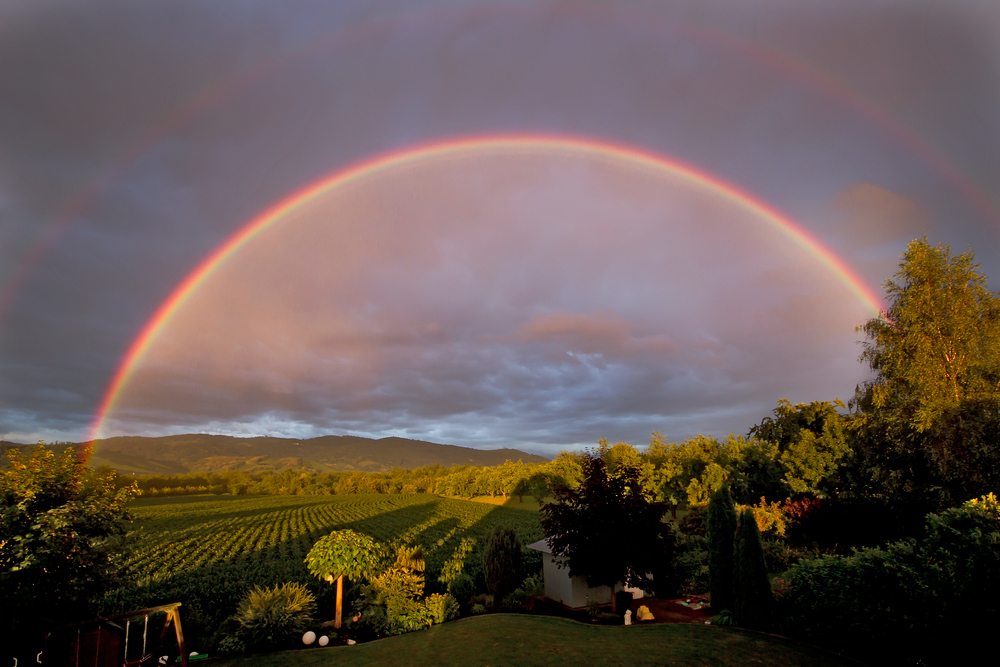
point(529, 641)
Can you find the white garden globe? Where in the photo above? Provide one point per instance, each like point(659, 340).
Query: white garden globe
point(324, 640)
point(309, 638)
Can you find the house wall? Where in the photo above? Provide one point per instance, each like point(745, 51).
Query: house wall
point(570, 591)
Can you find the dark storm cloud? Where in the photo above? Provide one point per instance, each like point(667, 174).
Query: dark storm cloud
point(154, 130)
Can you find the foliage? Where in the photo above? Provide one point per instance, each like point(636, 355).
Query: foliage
point(778, 555)
point(61, 531)
point(935, 599)
point(390, 604)
point(534, 585)
point(274, 617)
point(345, 553)
point(722, 549)
point(610, 529)
point(987, 504)
point(503, 562)
point(927, 424)
point(207, 552)
point(455, 566)
point(695, 521)
point(462, 588)
point(811, 442)
point(442, 607)
point(691, 565)
point(770, 517)
point(754, 602)
point(516, 600)
point(938, 343)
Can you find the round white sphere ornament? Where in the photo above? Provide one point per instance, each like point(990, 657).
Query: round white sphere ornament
point(324, 640)
point(309, 638)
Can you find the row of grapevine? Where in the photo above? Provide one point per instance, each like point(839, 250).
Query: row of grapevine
point(205, 552)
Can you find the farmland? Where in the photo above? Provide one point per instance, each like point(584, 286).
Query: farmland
point(207, 551)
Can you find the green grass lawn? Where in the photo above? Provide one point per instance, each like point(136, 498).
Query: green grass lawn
point(527, 641)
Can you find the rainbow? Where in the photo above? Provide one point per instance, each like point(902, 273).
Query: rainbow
point(763, 55)
point(457, 148)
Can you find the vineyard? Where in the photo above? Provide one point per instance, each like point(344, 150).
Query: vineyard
point(206, 552)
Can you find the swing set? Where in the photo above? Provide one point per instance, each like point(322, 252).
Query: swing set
point(103, 642)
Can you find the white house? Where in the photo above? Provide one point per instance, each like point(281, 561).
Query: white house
point(572, 591)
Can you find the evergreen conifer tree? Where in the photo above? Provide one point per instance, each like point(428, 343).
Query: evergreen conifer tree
point(721, 545)
point(503, 563)
point(754, 604)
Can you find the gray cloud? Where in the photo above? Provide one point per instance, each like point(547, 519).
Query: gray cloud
point(137, 137)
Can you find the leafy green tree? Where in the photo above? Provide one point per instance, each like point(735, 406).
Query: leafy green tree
point(503, 562)
point(927, 425)
point(61, 536)
point(938, 343)
point(754, 603)
point(722, 549)
point(345, 553)
point(811, 441)
point(609, 529)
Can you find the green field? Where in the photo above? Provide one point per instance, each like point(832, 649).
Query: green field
point(207, 551)
point(528, 641)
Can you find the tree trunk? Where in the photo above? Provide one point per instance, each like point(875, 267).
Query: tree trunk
point(340, 601)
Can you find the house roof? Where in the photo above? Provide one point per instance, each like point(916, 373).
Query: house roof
point(541, 545)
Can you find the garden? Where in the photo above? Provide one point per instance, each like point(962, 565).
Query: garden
point(870, 529)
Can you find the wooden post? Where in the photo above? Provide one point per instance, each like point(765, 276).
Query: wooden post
point(175, 614)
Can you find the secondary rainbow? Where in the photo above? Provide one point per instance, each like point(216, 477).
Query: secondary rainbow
point(456, 148)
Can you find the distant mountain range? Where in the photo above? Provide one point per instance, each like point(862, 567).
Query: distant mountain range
point(176, 454)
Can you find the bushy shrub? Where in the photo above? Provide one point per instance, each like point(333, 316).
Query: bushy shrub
point(232, 645)
point(534, 585)
point(390, 605)
point(441, 608)
point(516, 601)
point(935, 599)
point(692, 565)
point(695, 522)
point(462, 588)
point(779, 556)
point(503, 561)
point(272, 617)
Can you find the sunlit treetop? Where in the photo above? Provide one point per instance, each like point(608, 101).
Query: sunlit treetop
point(938, 343)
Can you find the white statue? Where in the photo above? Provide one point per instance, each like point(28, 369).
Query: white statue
point(628, 617)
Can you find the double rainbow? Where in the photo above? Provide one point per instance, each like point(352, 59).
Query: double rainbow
point(467, 147)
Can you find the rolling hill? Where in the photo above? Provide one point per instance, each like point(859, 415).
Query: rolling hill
point(176, 454)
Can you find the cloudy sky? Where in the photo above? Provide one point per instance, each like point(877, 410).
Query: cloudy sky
point(539, 288)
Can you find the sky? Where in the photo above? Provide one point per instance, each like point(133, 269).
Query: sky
point(483, 223)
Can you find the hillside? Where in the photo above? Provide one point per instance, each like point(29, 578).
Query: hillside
point(212, 453)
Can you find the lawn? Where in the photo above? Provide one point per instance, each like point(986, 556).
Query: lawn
point(528, 641)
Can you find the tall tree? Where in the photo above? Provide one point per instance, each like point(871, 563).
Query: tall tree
point(722, 549)
point(938, 343)
point(928, 424)
point(345, 553)
point(610, 528)
point(61, 530)
point(503, 563)
point(754, 603)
